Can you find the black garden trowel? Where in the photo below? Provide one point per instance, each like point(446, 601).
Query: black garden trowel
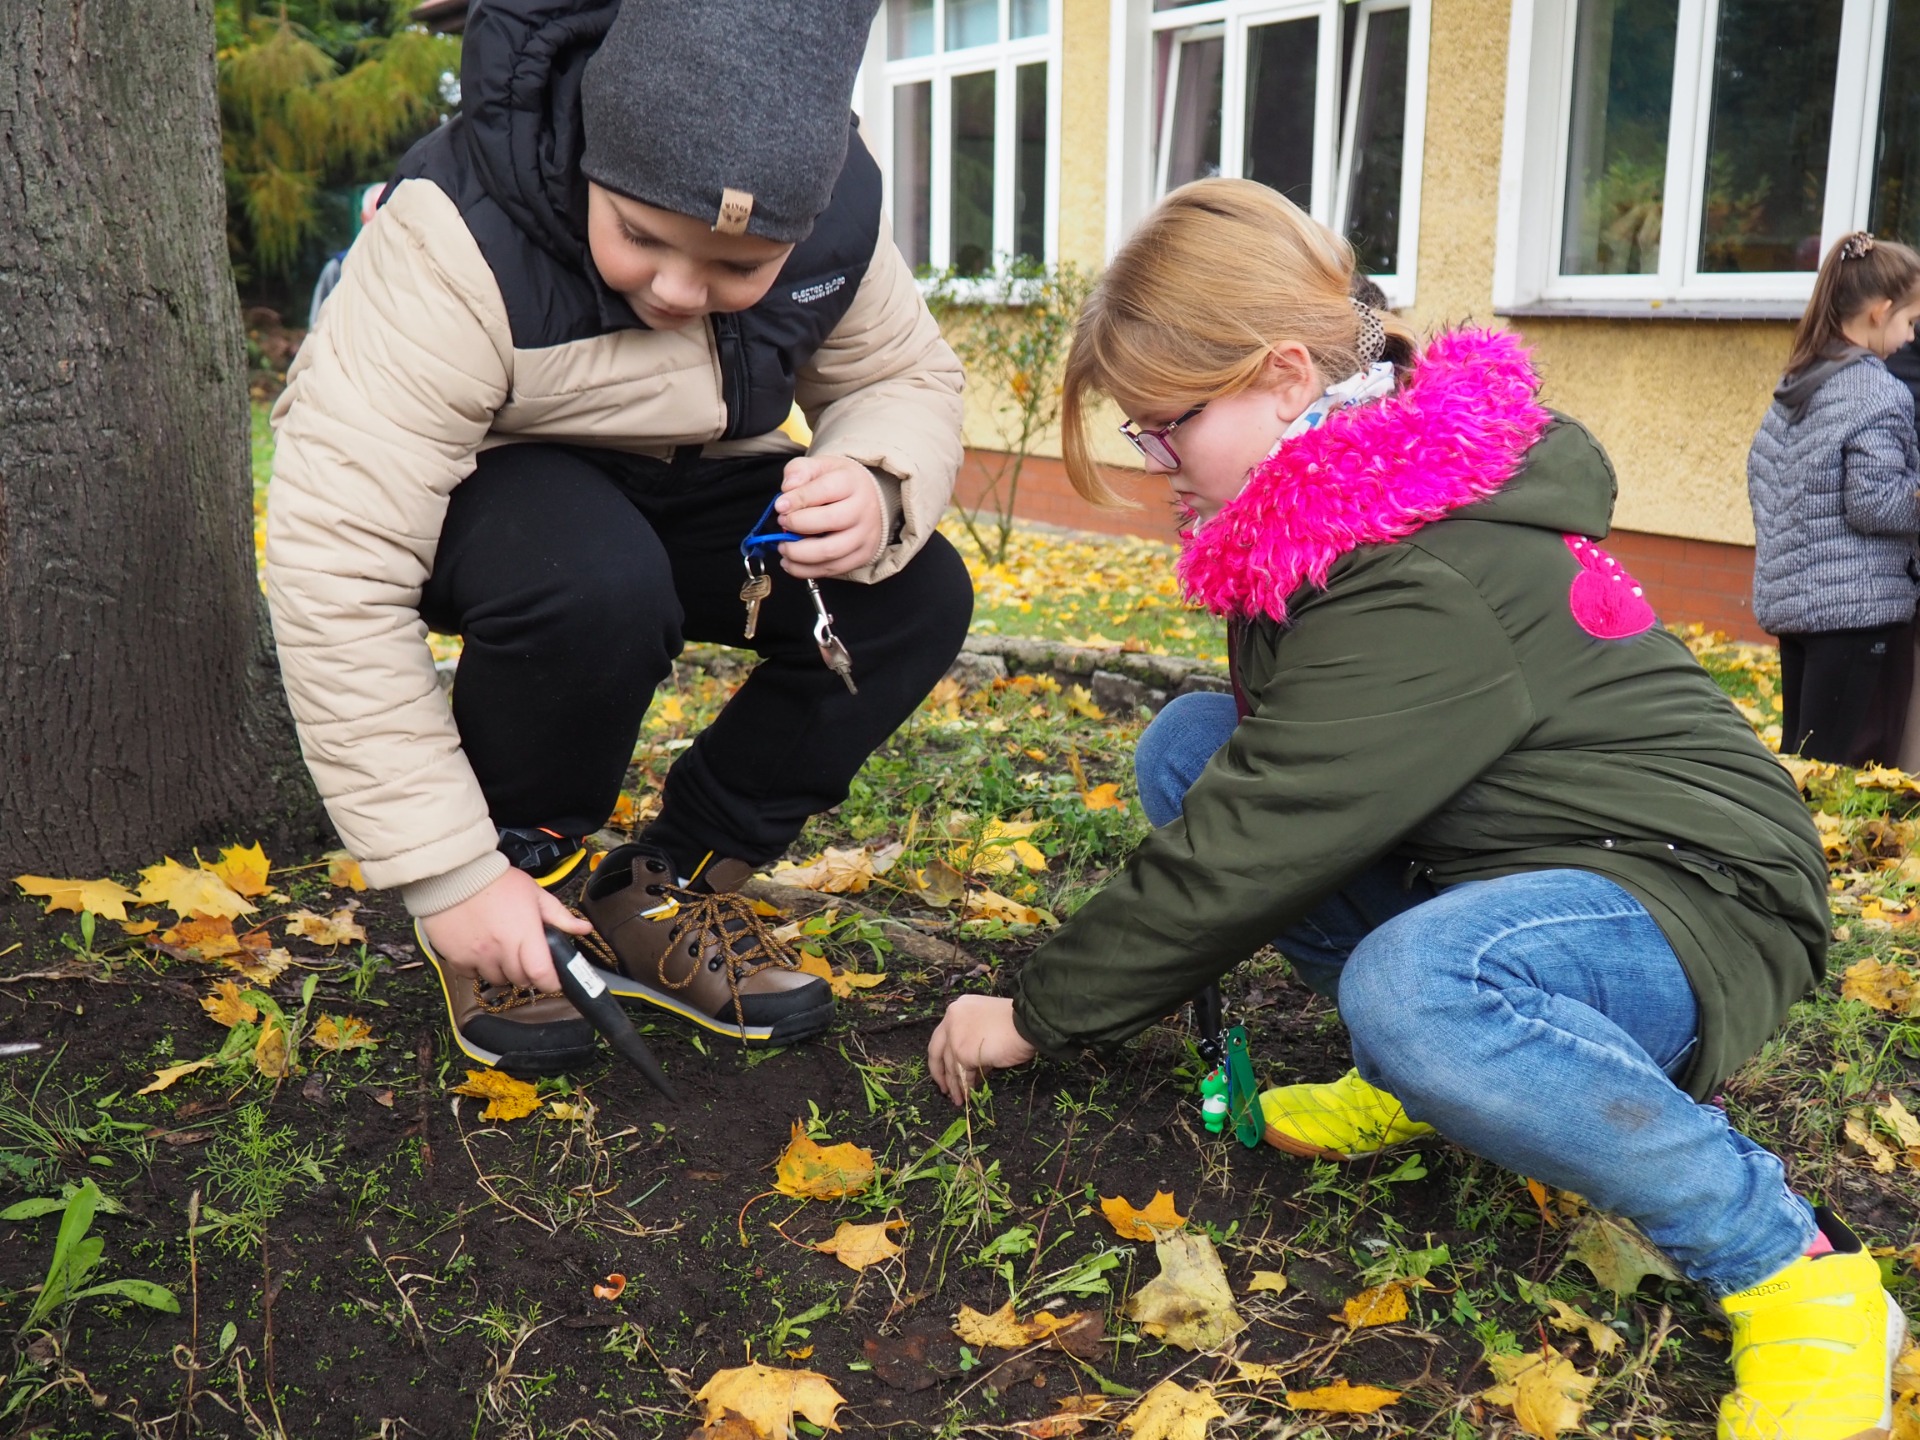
point(581, 984)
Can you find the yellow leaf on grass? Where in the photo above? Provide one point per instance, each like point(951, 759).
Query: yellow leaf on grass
point(139, 927)
point(506, 1097)
point(1169, 1411)
point(343, 1032)
point(832, 872)
point(1881, 1158)
point(1906, 1418)
point(270, 1050)
point(1619, 1257)
point(812, 962)
point(106, 898)
point(1266, 1281)
point(1004, 1330)
point(987, 905)
point(1189, 1303)
point(1883, 986)
point(343, 871)
point(808, 1171)
point(858, 1246)
point(938, 885)
point(259, 966)
point(1102, 797)
point(1080, 702)
point(244, 868)
point(1340, 1398)
point(1573, 1320)
point(1000, 848)
point(768, 1399)
point(339, 928)
point(1257, 1374)
point(1547, 1395)
point(210, 937)
point(1900, 1121)
point(190, 892)
point(1906, 1372)
point(1144, 1224)
point(1376, 1305)
point(227, 1007)
point(165, 1077)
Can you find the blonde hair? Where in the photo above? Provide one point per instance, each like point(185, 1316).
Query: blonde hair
point(1191, 305)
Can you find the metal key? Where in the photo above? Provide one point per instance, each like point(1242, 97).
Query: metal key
point(759, 585)
point(833, 652)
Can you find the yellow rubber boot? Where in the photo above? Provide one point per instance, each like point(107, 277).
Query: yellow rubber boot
point(1344, 1120)
point(1814, 1347)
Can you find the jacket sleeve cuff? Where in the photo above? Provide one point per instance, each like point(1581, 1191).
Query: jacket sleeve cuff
point(893, 511)
point(443, 892)
point(1042, 1036)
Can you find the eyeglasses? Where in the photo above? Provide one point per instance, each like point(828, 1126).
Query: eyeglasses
point(1153, 443)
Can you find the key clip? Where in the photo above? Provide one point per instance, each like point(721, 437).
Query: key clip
point(757, 542)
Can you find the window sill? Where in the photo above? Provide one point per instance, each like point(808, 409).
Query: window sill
point(1654, 310)
point(984, 291)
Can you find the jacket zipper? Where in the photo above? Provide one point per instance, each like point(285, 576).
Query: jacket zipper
point(733, 371)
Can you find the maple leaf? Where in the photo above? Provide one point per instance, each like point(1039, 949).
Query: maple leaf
point(343, 1032)
point(506, 1097)
point(1899, 1120)
point(343, 871)
point(1075, 1414)
point(190, 892)
point(339, 928)
point(1571, 1319)
point(139, 927)
point(1547, 1395)
point(1144, 1224)
point(768, 1399)
point(1376, 1305)
point(209, 937)
point(1340, 1398)
point(227, 1007)
point(806, 1171)
point(1618, 1257)
point(938, 885)
point(1000, 848)
point(1169, 1411)
point(1189, 1303)
point(259, 966)
point(987, 905)
point(1004, 1330)
point(812, 962)
point(1881, 1158)
point(858, 1246)
point(832, 872)
point(1266, 1280)
point(244, 868)
point(1883, 986)
point(164, 1077)
point(1102, 797)
point(1080, 702)
point(106, 898)
point(270, 1050)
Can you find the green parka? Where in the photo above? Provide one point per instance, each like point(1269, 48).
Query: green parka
point(1435, 698)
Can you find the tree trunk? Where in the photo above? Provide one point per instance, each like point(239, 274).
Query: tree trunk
point(141, 711)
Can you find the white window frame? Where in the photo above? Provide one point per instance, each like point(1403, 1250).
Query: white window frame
point(1535, 155)
point(1139, 140)
point(880, 76)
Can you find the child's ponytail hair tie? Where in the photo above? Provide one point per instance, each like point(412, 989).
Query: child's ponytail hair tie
point(1857, 246)
point(1373, 335)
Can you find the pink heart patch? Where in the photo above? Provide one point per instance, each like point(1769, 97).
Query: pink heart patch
point(1606, 601)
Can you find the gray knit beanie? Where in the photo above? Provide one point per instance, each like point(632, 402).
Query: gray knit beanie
point(736, 112)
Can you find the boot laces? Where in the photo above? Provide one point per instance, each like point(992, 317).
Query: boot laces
point(724, 918)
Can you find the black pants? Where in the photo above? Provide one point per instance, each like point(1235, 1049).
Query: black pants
point(573, 577)
point(1844, 693)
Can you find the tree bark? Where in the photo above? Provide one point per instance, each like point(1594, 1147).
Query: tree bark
point(140, 706)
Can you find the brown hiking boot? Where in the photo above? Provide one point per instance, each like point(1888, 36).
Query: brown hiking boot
point(699, 950)
point(523, 1032)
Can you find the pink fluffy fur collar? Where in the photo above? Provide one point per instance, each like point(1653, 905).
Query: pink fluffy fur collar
point(1454, 433)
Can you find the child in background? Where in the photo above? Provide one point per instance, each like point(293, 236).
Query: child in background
point(1832, 477)
point(1555, 883)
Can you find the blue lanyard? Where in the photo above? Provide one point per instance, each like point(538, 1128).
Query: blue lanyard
point(756, 539)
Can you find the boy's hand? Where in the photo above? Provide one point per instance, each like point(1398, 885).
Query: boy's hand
point(497, 934)
point(835, 503)
point(976, 1036)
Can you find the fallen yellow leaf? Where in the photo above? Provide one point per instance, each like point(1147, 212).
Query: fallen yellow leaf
point(858, 1246)
point(1900, 1121)
point(259, 966)
point(566, 1110)
point(1571, 1319)
point(1257, 1374)
point(987, 905)
point(1144, 1224)
point(938, 885)
point(139, 927)
point(227, 1007)
point(1881, 1158)
point(270, 1050)
point(106, 898)
point(190, 892)
point(339, 928)
point(210, 937)
point(1000, 847)
point(1619, 1257)
point(1169, 1411)
point(812, 962)
point(164, 1077)
point(1376, 1305)
point(807, 1171)
point(1080, 702)
point(1102, 797)
point(1189, 1303)
point(1266, 1281)
point(506, 1097)
point(343, 871)
point(832, 872)
point(1340, 1398)
point(1547, 1395)
point(768, 1399)
point(1004, 1330)
point(343, 1032)
point(244, 868)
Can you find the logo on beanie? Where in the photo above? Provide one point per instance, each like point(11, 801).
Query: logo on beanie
point(735, 207)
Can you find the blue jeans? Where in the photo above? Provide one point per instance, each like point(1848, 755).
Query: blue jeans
point(1535, 1020)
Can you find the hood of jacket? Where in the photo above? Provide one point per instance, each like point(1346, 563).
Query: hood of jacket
point(520, 68)
point(1795, 392)
point(1452, 436)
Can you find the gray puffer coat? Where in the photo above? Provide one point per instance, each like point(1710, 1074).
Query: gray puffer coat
point(1832, 477)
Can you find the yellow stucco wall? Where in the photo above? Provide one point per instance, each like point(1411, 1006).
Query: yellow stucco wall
point(1083, 131)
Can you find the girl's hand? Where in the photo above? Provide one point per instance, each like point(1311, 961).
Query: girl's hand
point(835, 502)
point(976, 1036)
point(497, 934)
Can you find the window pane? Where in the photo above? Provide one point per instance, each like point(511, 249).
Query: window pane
point(971, 226)
point(1030, 161)
point(909, 28)
point(1283, 63)
point(1029, 18)
point(913, 172)
point(1379, 143)
point(1617, 145)
point(1896, 179)
point(972, 22)
point(1773, 73)
point(1193, 110)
